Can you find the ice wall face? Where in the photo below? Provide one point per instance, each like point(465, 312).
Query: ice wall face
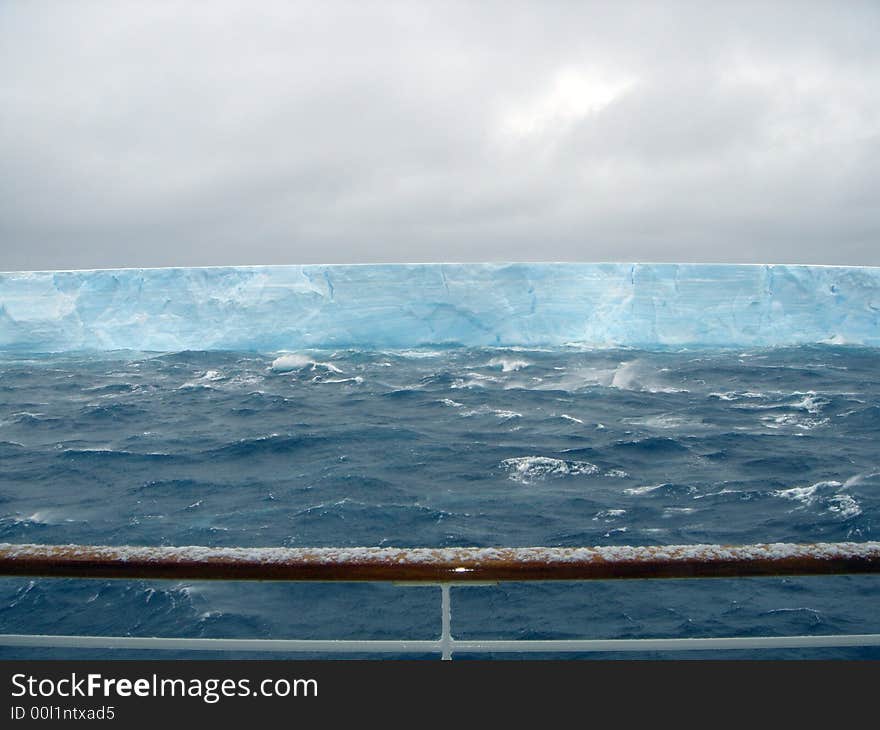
point(271, 308)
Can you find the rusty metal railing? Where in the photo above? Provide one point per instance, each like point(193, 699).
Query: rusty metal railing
point(441, 567)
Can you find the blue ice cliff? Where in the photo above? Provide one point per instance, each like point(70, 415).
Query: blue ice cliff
point(272, 308)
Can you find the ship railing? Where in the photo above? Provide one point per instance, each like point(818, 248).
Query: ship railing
point(444, 568)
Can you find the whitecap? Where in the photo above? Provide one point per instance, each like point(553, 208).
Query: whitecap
point(295, 361)
point(508, 365)
point(664, 421)
point(488, 410)
point(732, 395)
point(806, 495)
point(824, 494)
point(636, 491)
point(616, 474)
point(286, 363)
point(816, 615)
point(415, 354)
point(475, 380)
point(194, 386)
point(526, 469)
point(811, 402)
point(844, 505)
point(42, 517)
point(790, 419)
point(632, 375)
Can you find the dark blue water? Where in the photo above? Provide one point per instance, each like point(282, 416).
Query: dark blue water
point(440, 448)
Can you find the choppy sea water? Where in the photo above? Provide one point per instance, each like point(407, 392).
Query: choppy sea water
point(451, 447)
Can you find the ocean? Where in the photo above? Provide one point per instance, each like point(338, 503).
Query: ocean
point(442, 446)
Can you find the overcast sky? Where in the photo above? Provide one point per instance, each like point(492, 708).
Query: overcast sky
point(157, 134)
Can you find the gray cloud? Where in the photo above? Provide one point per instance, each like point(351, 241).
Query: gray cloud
point(139, 134)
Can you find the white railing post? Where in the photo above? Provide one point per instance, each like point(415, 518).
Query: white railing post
point(445, 622)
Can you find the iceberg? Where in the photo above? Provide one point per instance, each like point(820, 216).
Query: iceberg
point(390, 306)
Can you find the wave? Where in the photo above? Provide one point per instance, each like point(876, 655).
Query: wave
point(474, 380)
point(109, 454)
point(732, 395)
point(641, 376)
point(865, 418)
point(12, 448)
point(173, 487)
point(291, 362)
point(272, 444)
point(826, 495)
point(28, 418)
point(793, 421)
point(112, 389)
point(110, 412)
point(508, 365)
point(357, 380)
point(41, 517)
point(652, 445)
point(664, 489)
point(489, 411)
point(528, 469)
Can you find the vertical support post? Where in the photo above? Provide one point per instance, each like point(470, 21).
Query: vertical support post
point(445, 622)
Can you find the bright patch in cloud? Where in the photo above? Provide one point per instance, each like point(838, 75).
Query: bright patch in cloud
point(572, 96)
